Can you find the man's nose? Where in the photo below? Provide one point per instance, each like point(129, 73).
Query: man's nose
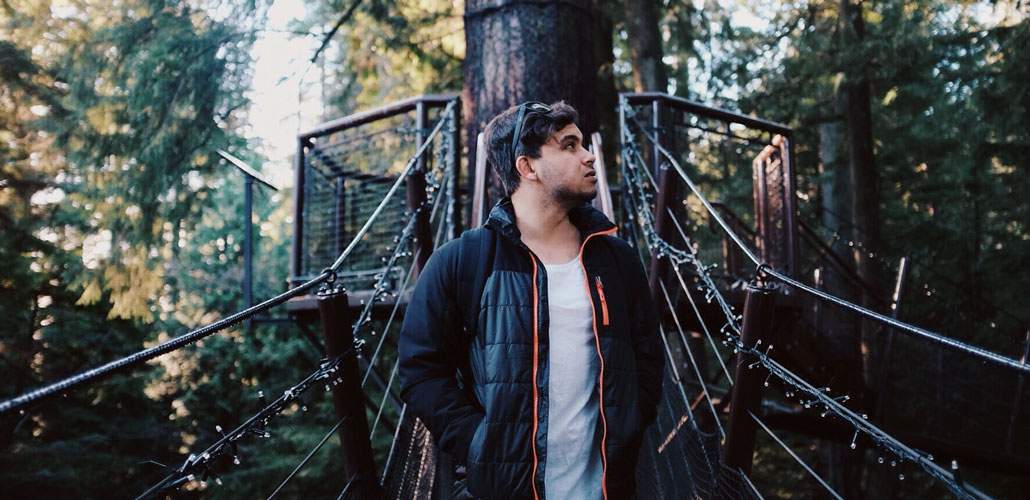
point(589, 158)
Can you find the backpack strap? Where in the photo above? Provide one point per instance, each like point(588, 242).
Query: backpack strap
point(474, 255)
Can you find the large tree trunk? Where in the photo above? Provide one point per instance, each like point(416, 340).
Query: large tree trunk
point(839, 329)
point(645, 46)
point(857, 92)
point(864, 178)
point(543, 50)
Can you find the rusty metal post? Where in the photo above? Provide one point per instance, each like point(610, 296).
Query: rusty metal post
point(348, 398)
point(789, 206)
point(747, 382)
point(416, 194)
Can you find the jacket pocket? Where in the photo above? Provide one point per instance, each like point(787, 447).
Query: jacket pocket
point(604, 302)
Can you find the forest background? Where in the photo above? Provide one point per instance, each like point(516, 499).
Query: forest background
point(120, 228)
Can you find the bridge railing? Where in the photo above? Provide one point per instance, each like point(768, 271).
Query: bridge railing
point(697, 302)
point(423, 181)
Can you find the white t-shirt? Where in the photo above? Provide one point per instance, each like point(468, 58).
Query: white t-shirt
point(573, 461)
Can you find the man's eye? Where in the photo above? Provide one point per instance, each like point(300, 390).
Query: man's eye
point(570, 146)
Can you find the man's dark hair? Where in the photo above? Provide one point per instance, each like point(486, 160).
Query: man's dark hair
point(536, 129)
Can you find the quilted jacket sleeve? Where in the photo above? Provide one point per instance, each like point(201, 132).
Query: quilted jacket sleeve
point(429, 343)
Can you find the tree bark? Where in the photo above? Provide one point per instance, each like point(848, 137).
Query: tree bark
point(543, 50)
point(864, 176)
point(645, 46)
point(839, 329)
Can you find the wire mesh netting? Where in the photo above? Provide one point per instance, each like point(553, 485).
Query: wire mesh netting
point(346, 175)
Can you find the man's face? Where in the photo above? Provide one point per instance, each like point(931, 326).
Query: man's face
point(565, 168)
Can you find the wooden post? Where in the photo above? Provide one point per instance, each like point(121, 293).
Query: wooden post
point(416, 186)
point(358, 462)
point(747, 382)
point(603, 200)
point(479, 215)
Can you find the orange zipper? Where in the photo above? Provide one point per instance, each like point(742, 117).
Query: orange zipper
point(604, 303)
point(600, 359)
point(536, 349)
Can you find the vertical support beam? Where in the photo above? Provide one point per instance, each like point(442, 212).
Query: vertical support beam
point(479, 184)
point(664, 198)
point(416, 185)
point(603, 200)
point(348, 398)
point(789, 206)
point(761, 196)
point(747, 386)
point(296, 254)
point(340, 218)
point(248, 244)
point(454, 188)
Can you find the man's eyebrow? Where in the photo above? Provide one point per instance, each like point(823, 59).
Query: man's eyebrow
point(573, 137)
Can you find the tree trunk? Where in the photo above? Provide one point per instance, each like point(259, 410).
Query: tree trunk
point(645, 46)
point(545, 50)
point(838, 328)
point(865, 207)
point(864, 177)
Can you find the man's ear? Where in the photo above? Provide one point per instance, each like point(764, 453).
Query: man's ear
point(525, 168)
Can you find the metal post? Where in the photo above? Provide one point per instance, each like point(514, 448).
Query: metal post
point(416, 194)
point(789, 205)
point(664, 198)
point(341, 215)
point(761, 196)
point(747, 386)
point(296, 257)
point(358, 462)
point(248, 244)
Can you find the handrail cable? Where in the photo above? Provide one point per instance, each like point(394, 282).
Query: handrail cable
point(795, 456)
point(677, 379)
point(328, 274)
point(703, 271)
point(762, 267)
point(364, 317)
point(860, 423)
point(307, 458)
point(256, 424)
point(693, 361)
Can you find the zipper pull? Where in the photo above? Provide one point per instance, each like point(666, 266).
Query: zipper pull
point(604, 303)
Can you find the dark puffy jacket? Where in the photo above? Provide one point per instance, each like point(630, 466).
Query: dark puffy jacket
point(480, 386)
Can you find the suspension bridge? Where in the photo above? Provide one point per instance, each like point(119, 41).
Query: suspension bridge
point(709, 199)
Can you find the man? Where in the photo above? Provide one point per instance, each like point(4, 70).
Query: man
point(530, 347)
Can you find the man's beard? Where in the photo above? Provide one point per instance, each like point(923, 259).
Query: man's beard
point(571, 199)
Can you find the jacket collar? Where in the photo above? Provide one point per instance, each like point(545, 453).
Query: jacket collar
point(586, 218)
